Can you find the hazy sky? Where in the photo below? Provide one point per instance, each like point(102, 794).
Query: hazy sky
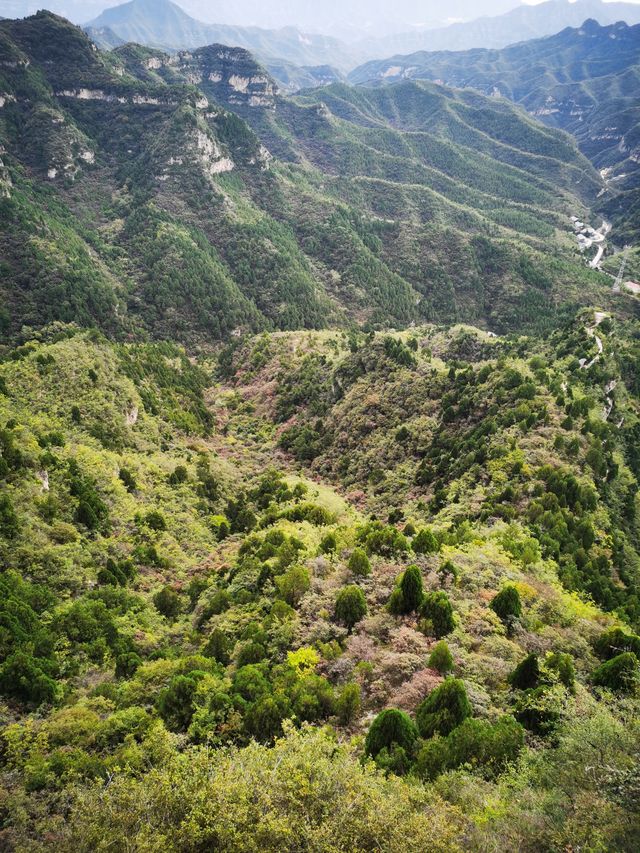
point(336, 16)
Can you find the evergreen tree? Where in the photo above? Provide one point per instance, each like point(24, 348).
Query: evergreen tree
point(621, 673)
point(443, 709)
point(437, 608)
point(506, 604)
point(526, 674)
point(351, 606)
point(425, 542)
point(389, 729)
point(409, 594)
point(441, 658)
point(359, 563)
point(167, 602)
point(218, 647)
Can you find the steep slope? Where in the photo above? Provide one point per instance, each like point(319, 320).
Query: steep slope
point(275, 576)
point(467, 426)
point(387, 206)
point(585, 81)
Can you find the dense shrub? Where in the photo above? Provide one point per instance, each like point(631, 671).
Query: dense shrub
point(526, 674)
point(218, 647)
point(263, 720)
point(441, 658)
point(621, 673)
point(251, 653)
point(615, 642)
point(443, 709)
point(314, 514)
point(167, 602)
point(178, 475)
point(128, 480)
point(91, 510)
point(328, 544)
point(293, 584)
point(409, 593)
point(506, 604)
point(25, 678)
point(175, 703)
point(391, 728)
point(351, 606)
point(425, 542)
point(126, 664)
point(562, 665)
point(9, 523)
point(359, 563)
point(540, 709)
point(488, 747)
point(381, 539)
point(437, 608)
point(348, 703)
point(155, 520)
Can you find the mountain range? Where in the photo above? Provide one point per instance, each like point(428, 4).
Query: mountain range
point(584, 80)
point(319, 451)
point(518, 24)
point(163, 24)
point(387, 205)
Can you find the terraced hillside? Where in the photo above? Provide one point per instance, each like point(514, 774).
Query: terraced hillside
point(183, 197)
point(584, 80)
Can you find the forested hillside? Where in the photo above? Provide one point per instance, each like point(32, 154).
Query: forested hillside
point(319, 462)
point(584, 80)
point(137, 197)
point(427, 541)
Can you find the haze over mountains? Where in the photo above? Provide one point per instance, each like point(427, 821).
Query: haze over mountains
point(351, 20)
point(160, 23)
point(519, 24)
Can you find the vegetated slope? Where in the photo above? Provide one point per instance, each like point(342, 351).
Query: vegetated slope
point(441, 425)
point(163, 24)
point(585, 81)
point(166, 592)
point(292, 78)
point(136, 199)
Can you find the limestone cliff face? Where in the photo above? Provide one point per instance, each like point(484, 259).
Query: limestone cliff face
point(230, 76)
point(177, 103)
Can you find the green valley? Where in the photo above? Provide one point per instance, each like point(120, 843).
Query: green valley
point(319, 464)
point(192, 562)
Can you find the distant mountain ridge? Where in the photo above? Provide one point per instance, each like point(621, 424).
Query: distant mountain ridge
point(583, 80)
point(163, 24)
point(520, 24)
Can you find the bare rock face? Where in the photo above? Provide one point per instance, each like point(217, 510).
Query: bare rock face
point(230, 76)
point(5, 178)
